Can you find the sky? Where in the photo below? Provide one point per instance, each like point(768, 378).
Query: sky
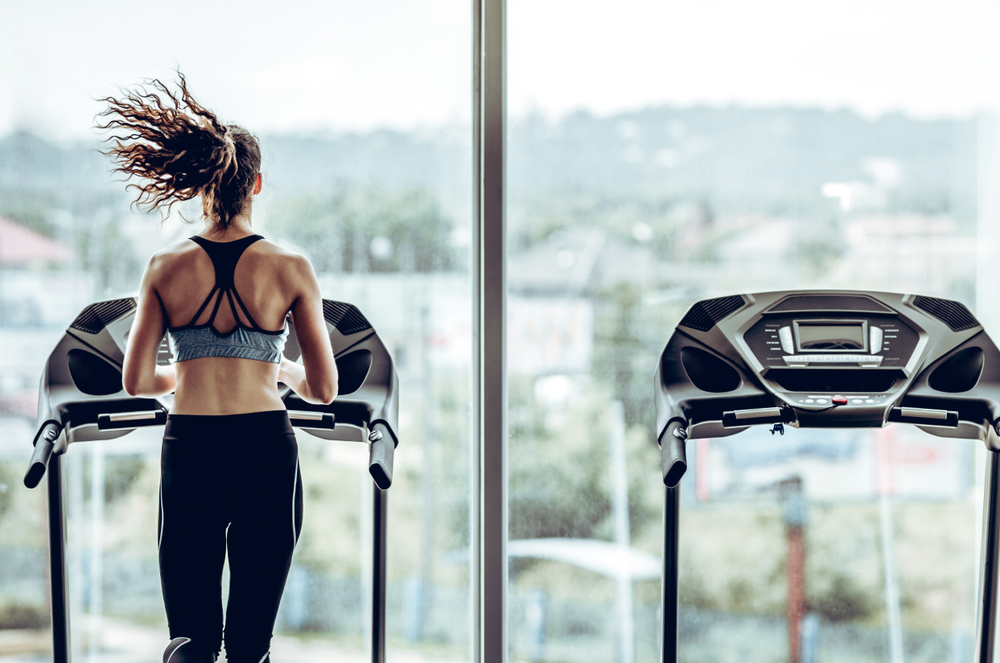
point(315, 66)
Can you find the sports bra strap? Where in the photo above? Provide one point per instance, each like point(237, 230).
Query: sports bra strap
point(246, 311)
point(204, 305)
point(224, 257)
point(215, 309)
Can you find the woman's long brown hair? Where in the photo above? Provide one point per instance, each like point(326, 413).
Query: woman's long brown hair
point(180, 150)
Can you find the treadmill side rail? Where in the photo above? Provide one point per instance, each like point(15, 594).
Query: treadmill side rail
point(923, 417)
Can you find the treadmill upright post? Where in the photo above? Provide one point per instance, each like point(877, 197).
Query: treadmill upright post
point(380, 502)
point(988, 579)
point(57, 562)
point(669, 584)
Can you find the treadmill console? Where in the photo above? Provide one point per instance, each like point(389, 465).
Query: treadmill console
point(829, 359)
point(817, 347)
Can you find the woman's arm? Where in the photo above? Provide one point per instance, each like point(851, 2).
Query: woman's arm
point(140, 375)
point(315, 379)
point(294, 375)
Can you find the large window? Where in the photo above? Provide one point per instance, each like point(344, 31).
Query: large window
point(364, 124)
point(657, 154)
point(664, 153)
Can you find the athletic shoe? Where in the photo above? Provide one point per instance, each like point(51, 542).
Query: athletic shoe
point(176, 652)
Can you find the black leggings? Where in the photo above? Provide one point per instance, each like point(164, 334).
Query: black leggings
point(228, 482)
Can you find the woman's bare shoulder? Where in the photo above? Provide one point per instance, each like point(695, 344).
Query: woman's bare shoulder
point(288, 261)
point(171, 258)
point(275, 249)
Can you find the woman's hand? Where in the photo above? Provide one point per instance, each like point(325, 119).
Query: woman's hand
point(291, 373)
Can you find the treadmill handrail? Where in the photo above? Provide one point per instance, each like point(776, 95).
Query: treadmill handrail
point(45, 440)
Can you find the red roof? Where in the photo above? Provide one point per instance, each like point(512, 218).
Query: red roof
point(19, 245)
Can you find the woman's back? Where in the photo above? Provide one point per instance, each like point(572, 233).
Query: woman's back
point(264, 290)
point(261, 278)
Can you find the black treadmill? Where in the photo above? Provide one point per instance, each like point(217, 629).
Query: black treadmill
point(81, 399)
point(827, 359)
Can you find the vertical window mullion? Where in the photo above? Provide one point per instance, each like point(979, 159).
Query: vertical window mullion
point(489, 508)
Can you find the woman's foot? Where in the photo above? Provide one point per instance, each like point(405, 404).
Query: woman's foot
point(180, 651)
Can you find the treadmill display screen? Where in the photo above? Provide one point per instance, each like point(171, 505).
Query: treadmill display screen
point(831, 337)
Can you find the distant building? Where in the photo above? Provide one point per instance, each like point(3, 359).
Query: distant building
point(23, 247)
point(40, 285)
point(923, 254)
point(41, 291)
point(550, 310)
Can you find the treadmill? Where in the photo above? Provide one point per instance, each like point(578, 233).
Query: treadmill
point(827, 359)
point(81, 399)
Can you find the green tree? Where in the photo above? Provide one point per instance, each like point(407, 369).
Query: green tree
point(558, 466)
point(368, 229)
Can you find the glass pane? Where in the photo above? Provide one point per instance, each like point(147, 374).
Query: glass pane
point(665, 153)
point(364, 123)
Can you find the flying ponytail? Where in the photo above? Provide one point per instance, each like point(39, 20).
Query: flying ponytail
point(180, 150)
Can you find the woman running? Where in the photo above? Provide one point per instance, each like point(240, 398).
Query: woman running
point(230, 478)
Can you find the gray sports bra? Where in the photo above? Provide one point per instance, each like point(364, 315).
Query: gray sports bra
point(193, 341)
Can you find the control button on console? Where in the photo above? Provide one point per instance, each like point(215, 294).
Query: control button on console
point(840, 400)
point(833, 358)
point(875, 339)
point(785, 336)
